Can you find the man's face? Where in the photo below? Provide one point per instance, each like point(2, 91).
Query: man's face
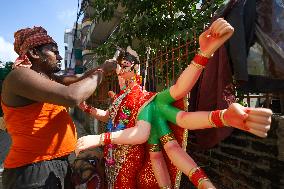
point(51, 58)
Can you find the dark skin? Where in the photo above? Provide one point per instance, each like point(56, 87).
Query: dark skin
point(24, 86)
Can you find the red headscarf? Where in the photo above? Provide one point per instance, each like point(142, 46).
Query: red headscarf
point(26, 39)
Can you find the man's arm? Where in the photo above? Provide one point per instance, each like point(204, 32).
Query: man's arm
point(67, 80)
point(31, 85)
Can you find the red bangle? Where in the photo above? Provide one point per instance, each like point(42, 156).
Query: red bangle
point(107, 139)
point(216, 118)
point(88, 109)
point(201, 60)
point(196, 176)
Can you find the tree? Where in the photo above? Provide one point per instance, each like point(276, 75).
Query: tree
point(5, 70)
point(152, 23)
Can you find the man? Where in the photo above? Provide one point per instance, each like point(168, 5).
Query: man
point(33, 102)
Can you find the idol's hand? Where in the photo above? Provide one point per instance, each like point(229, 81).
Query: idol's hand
point(206, 185)
point(86, 142)
point(254, 120)
point(211, 39)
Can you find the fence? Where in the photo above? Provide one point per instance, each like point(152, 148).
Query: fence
point(162, 70)
point(240, 161)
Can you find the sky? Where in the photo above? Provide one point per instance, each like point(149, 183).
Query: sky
point(54, 15)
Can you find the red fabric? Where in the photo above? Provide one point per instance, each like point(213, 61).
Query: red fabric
point(39, 132)
point(146, 178)
point(26, 39)
point(215, 90)
point(22, 61)
point(136, 172)
point(127, 177)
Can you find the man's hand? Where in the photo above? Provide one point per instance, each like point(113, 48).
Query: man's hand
point(254, 120)
point(109, 66)
point(211, 39)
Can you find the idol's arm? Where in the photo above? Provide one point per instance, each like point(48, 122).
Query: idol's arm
point(209, 42)
point(254, 120)
point(102, 115)
point(134, 135)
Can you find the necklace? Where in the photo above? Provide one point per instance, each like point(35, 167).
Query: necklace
point(115, 105)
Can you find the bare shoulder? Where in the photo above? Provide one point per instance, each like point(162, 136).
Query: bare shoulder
point(21, 73)
point(25, 83)
point(21, 77)
point(16, 79)
point(27, 80)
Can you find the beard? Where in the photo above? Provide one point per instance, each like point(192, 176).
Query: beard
point(56, 68)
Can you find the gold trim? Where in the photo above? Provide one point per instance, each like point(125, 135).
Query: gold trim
point(184, 141)
point(203, 54)
point(167, 138)
point(165, 187)
point(184, 145)
point(210, 120)
point(154, 148)
point(201, 180)
point(193, 171)
point(222, 118)
point(198, 66)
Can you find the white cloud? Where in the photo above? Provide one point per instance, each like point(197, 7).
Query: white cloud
point(67, 15)
point(7, 52)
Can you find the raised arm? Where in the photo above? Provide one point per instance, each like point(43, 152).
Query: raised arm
point(209, 42)
point(67, 80)
point(23, 82)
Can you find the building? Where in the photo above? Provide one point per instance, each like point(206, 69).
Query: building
point(90, 35)
point(73, 50)
point(95, 32)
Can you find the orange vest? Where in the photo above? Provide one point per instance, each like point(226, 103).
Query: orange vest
point(39, 131)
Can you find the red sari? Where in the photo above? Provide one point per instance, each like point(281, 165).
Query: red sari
point(132, 167)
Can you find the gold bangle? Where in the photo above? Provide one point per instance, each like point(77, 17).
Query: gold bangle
point(102, 139)
point(222, 118)
point(111, 139)
point(154, 148)
point(210, 120)
point(198, 66)
point(192, 171)
point(166, 187)
point(201, 180)
point(203, 54)
point(167, 138)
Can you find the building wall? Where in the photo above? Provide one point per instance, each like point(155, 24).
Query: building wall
point(68, 39)
point(244, 161)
